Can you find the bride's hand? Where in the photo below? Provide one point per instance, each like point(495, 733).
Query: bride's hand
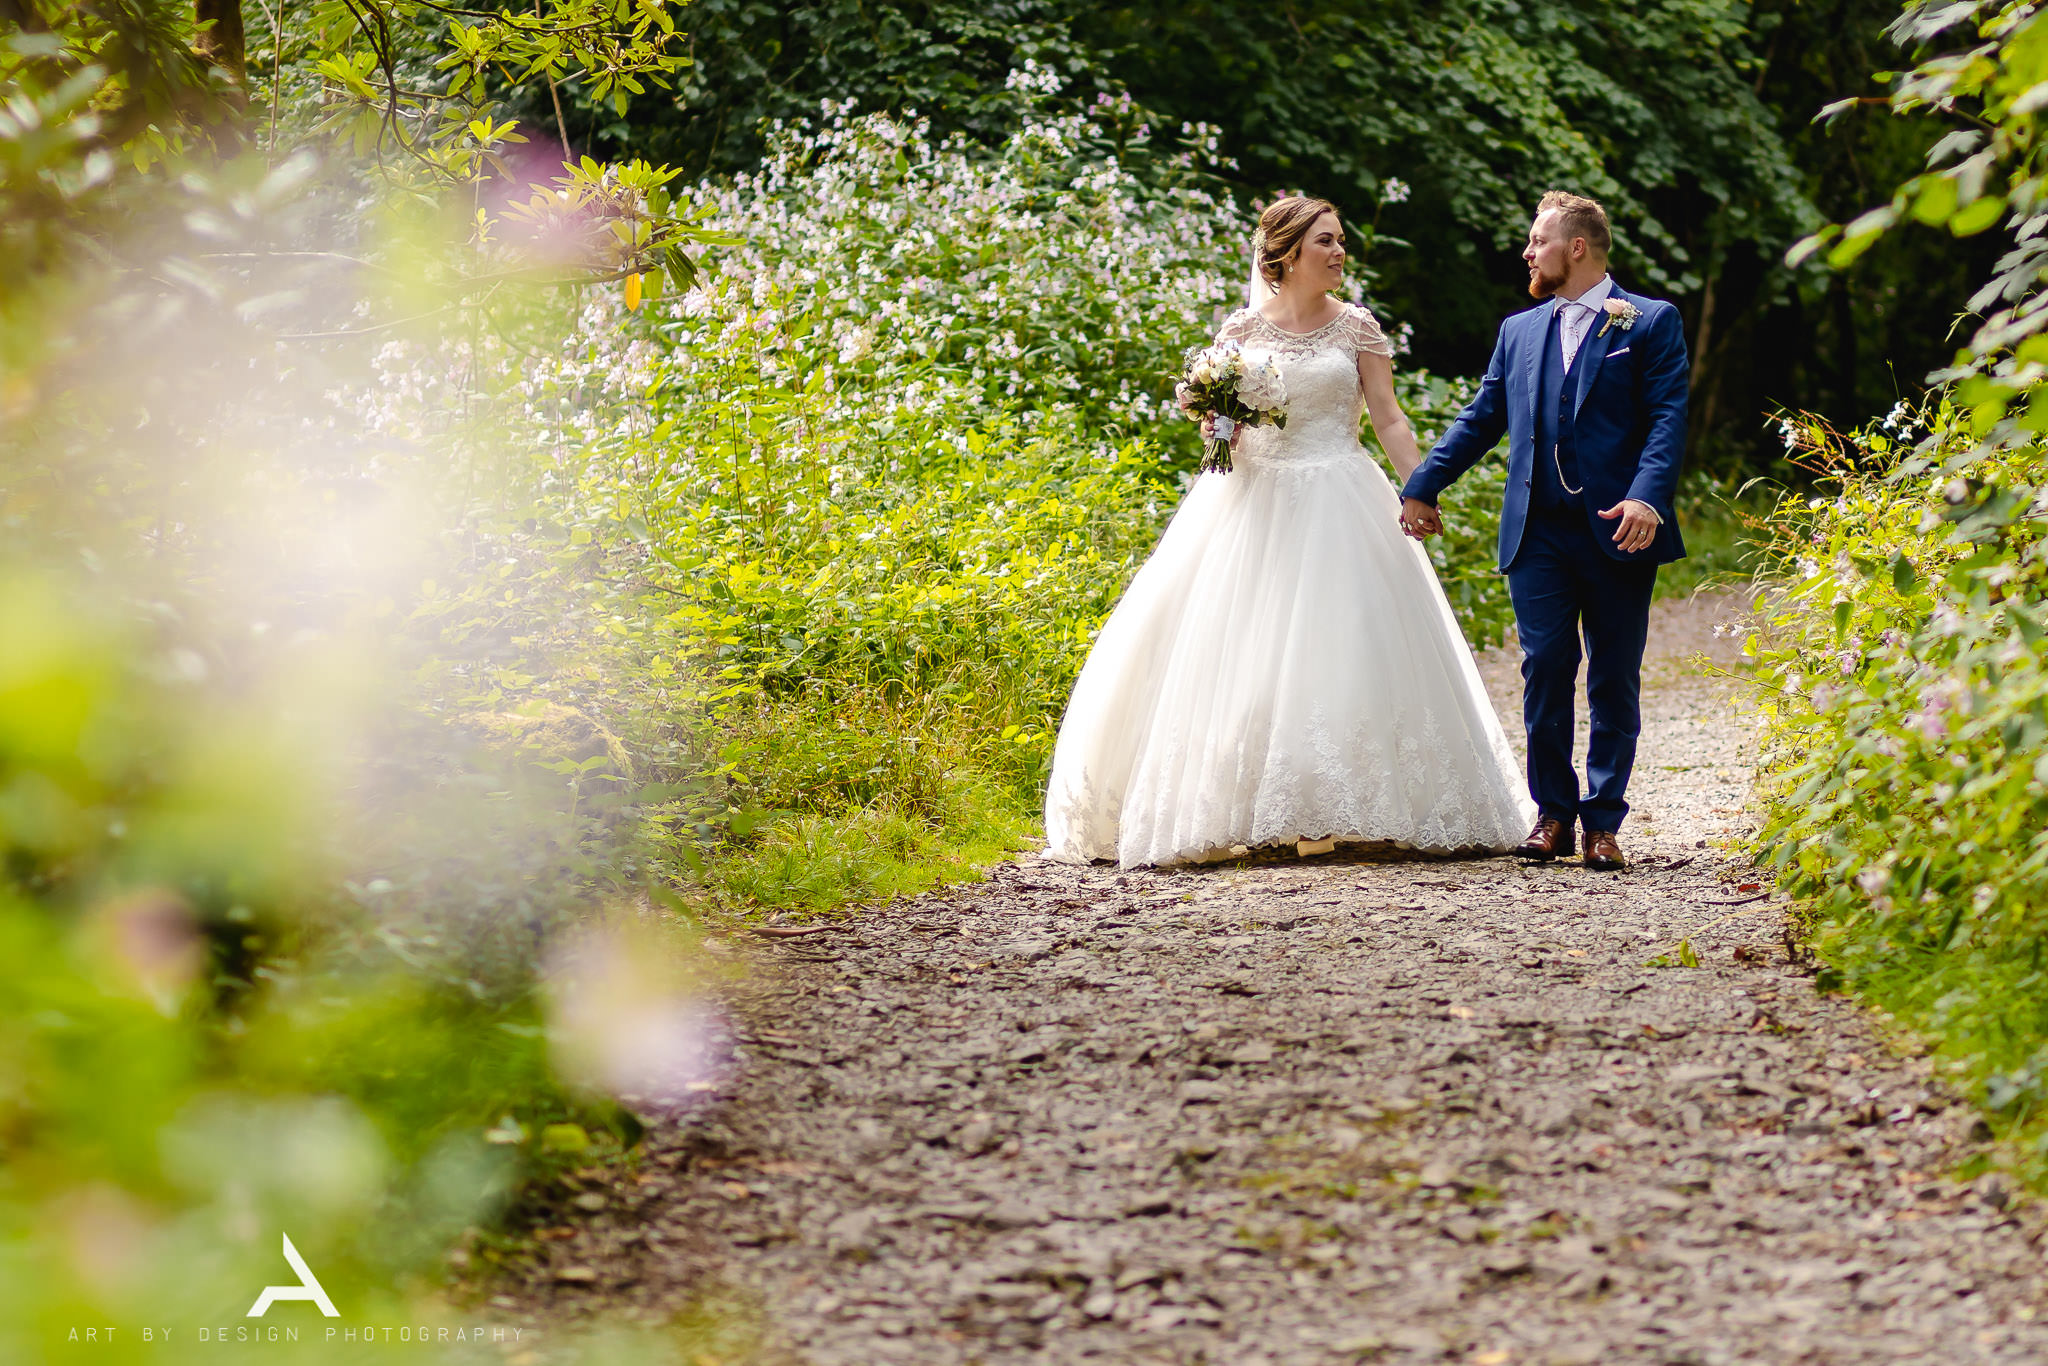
point(1209, 430)
point(1419, 519)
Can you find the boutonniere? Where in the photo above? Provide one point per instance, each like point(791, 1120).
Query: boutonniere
point(1620, 313)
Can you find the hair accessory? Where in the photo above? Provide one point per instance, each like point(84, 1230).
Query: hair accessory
point(1258, 239)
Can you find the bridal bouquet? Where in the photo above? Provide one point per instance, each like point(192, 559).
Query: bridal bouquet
point(1225, 389)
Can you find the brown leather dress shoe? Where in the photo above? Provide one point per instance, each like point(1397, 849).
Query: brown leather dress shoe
point(1550, 839)
point(1603, 852)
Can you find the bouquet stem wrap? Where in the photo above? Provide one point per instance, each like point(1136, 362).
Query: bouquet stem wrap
point(1224, 389)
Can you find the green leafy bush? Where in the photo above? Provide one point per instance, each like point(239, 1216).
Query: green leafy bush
point(1903, 690)
point(1905, 701)
point(211, 1036)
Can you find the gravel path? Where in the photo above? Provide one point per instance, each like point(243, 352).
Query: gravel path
point(1314, 1111)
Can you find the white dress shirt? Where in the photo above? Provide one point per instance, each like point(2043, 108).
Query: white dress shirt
point(1575, 321)
point(1578, 314)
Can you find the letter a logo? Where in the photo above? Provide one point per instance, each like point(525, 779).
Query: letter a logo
point(308, 1287)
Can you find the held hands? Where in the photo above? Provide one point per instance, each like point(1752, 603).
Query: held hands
point(1638, 524)
point(1419, 519)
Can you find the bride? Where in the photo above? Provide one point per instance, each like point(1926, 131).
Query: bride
point(1285, 668)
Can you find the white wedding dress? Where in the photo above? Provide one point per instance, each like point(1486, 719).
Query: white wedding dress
point(1284, 666)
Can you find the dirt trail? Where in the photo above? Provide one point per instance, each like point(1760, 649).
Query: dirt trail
point(1318, 1111)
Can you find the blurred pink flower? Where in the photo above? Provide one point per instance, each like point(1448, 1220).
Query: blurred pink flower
point(629, 1021)
point(150, 940)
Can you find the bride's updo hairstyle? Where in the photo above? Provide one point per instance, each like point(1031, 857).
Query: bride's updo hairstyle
point(1281, 229)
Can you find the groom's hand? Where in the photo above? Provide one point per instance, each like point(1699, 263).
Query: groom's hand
point(1420, 519)
point(1638, 524)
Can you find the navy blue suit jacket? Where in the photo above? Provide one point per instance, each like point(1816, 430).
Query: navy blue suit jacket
point(1629, 423)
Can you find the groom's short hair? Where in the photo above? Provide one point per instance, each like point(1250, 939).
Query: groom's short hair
point(1578, 216)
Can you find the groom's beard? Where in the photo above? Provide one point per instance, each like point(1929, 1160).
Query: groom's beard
point(1542, 286)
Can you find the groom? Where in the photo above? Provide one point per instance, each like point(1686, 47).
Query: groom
point(1590, 389)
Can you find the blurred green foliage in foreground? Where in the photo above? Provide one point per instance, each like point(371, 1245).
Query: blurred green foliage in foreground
point(291, 944)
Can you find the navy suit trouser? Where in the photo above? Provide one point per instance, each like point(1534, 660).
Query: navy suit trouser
point(1564, 585)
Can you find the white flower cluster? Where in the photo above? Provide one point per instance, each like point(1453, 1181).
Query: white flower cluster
point(1216, 373)
point(930, 279)
point(1033, 76)
point(1214, 363)
point(885, 283)
point(1259, 384)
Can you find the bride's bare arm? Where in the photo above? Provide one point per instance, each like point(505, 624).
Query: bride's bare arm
point(1389, 423)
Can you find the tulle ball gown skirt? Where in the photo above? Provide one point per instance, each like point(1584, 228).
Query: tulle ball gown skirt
point(1285, 667)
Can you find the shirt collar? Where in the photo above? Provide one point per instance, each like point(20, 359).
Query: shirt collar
point(1593, 297)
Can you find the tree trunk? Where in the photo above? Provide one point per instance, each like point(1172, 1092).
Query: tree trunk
point(224, 44)
point(23, 15)
point(1703, 336)
point(1701, 394)
point(1845, 343)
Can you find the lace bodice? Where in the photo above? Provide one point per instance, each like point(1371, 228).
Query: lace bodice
point(1324, 400)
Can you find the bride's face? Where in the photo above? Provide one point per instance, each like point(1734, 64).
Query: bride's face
point(1320, 265)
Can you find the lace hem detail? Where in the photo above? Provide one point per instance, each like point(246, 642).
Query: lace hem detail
point(1326, 786)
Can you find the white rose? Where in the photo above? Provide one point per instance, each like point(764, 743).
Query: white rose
point(1261, 387)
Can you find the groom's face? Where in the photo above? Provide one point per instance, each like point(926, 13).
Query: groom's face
point(1548, 255)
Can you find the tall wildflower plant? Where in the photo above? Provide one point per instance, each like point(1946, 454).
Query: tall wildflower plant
point(1904, 671)
point(1904, 703)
